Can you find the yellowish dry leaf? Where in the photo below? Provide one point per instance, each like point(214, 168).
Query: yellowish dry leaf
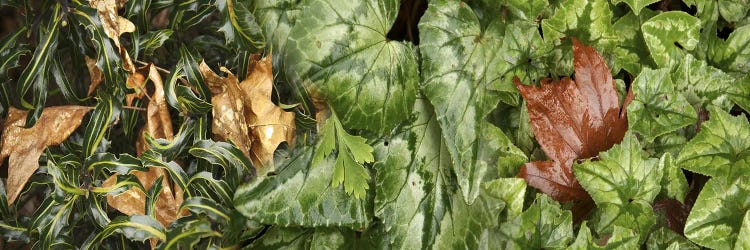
point(95, 73)
point(158, 125)
point(25, 145)
point(244, 113)
point(114, 26)
point(269, 124)
point(228, 110)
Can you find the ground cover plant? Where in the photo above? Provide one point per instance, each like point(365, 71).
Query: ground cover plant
point(375, 124)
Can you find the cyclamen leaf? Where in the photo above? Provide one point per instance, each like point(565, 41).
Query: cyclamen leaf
point(544, 225)
point(658, 108)
point(664, 238)
point(733, 10)
point(301, 195)
point(572, 120)
point(673, 182)
point(721, 148)
point(665, 31)
point(463, 63)
point(743, 238)
point(621, 238)
point(623, 184)
point(717, 215)
point(702, 84)
point(527, 10)
point(276, 18)
point(342, 56)
point(635, 5)
point(24, 146)
point(738, 47)
point(632, 54)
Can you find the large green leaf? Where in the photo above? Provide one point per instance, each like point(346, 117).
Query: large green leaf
point(632, 53)
point(636, 5)
point(462, 64)
point(718, 213)
point(702, 84)
point(276, 18)
point(743, 238)
point(621, 238)
point(466, 226)
point(342, 55)
point(544, 225)
point(664, 238)
point(657, 108)
point(668, 33)
point(623, 184)
point(301, 195)
point(673, 183)
point(721, 148)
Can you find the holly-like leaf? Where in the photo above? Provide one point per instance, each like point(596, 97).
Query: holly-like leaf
point(623, 184)
point(721, 148)
point(572, 120)
point(342, 56)
point(717, 215)
point(667, 34)
point(658, 108)
point(239, 24)
point(24, 146)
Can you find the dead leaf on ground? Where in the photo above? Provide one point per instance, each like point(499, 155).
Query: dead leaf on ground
point(244, 113)
point(158, 125)
point(572, 120)
point(26, 145)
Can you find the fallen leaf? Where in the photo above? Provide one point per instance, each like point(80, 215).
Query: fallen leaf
point(115, 25)
point(228, 108)
point(572, 120)
point(269, 124)
point(95, 73)
point(244, 113)
point(25, 145)
point(158, 125)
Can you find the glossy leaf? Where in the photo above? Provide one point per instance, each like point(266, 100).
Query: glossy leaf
point(667, 34)
point(657, 108)
point(239, 24)
point(717, 216)
point(702, 84)
point(342, 56)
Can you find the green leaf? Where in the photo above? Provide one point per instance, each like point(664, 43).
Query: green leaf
point(152, 196)
point(664, 238)
point(466, 226)
point(10, 52)
point(702, 84)
point(107, 55)
point(544, 225)
point(236, 165)
point(668, 33)
point(276, 18)
point(136, 227)
point(733, 10)
point(623, 184)
point(526, 10)
point(462, 65)
point(176, 173)
point(341, 55)
point(301, 195)
point(125, 164)
point(738, 49)
point(635, 5)
point(632, 54)
point(104, 115)
point(186, 232)
point(333, 238)
point(284, 238)
point(153, 40)
point(717, 215)
point(621, 238)
point(740, 92)
point(353, 153)
point(721, 148)
point(657, 108)
point(202, 205)
point(239, 24)
point(170, 149)
point(674, 184)
point(743, 238)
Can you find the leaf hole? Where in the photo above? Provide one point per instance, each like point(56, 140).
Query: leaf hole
point(678, 45)
point(725, 32)
point(406, 27)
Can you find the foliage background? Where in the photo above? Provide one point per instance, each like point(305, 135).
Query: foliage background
point(440, 129)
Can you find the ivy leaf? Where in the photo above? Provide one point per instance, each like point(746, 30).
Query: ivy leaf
point(657, 108)
point(572, 120)
point(635, 5)
point(717, 215)
point(623, 184)
point(353, 153)
point(721, 148)
point(462, 64)
point(342, 56)
point(621, 238)
point(301, 195)
point(667, 34)
point(544, 225)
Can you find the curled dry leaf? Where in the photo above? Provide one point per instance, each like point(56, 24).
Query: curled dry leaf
point(158, 125)
point(572, 120)
point(244, 113)
point(115, 25)
point(25, 145)
point(95, 73)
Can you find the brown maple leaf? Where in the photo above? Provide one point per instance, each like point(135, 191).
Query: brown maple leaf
point(25, 145)
point(244, 113)
point(572, 120)
point(158, 125)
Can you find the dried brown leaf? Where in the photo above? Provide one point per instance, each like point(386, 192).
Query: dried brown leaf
point(25, 145)
point(158, 125)
point(115, 25)
point(95, 73)
point(269, 124)
point(572, 120)
point(229, 121)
